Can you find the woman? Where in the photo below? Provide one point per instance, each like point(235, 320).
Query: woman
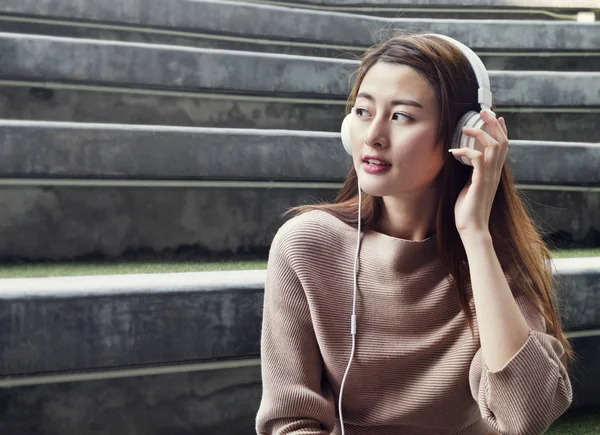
point(451, 326)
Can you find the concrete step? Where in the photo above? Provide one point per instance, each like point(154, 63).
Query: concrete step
point(48, 150)
point(116, 306)
point(69, 60)
point(217, 398)
point(90, 336)
point(101, 81)
point(484, 9)
point(86, 191)
point(527, 45)
point(108, 219)
point(572, 60)
point(218, 17)
point(84, 103)
point(524, 4)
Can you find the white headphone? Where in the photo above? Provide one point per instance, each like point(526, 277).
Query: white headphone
point(469, 119)
point(459, 140)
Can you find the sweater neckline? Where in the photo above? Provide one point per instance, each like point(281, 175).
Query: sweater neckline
point(400, 240)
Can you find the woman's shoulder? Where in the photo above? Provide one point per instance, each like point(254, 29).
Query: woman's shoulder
point(311, 231)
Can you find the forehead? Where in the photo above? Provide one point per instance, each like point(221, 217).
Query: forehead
point(389, 81)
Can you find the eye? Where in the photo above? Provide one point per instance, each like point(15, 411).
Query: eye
point(399, 116)
point(361, 112)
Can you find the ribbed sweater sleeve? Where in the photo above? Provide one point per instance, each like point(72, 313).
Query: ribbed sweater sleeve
point(532, 390)
point(295, 400)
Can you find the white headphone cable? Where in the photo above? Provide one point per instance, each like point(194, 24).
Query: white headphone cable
point(353, 318)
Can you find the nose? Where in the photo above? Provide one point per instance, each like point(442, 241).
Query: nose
point(377, 134)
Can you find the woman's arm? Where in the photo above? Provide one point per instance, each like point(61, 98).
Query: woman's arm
point(295, 399)
point(502, 327)
point(517, 376)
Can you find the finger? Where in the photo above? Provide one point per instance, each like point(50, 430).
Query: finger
point(482, 137)
point(502, 122)
point(473, 155)
point(493, 125)
point(493, 151)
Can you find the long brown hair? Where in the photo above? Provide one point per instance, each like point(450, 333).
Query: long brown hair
point(521, 251)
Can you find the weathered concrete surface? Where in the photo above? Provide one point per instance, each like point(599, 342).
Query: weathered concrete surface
point(160, 109)
point(71, 222)
point(101, 322)
point(77, 150)
point(31, 57)
point(215, 402)
point(546, 89)
point(522, 61)
point(109, 222)
point(203, 110)
point(283, 23)
point(105, 322)
point(566, 4)
point(113, 221)
point(578, 283)
point(569, 218)
point(585, 374)
point(34, 58)
point(548, 126)
point(209, 403)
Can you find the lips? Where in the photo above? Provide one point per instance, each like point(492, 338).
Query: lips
point(374, 160)
point(375, 165)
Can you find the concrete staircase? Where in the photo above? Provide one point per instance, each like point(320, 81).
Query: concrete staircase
point(185, 128)
point(189, 82)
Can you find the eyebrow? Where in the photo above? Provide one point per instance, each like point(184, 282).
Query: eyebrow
point(392, 103)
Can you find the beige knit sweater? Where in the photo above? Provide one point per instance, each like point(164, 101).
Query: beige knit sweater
point(416, 370)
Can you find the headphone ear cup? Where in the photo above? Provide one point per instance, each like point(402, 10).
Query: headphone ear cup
point(346, 134)
point(459, 140)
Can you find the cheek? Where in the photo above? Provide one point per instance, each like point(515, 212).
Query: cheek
point(418, 144)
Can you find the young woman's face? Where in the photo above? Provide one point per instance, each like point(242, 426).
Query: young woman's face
point(395, 120)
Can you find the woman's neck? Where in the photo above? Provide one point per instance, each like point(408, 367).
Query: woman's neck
point(410, 217)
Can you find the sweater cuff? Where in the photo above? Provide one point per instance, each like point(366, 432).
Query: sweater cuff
point(528, 361)
point(529, 390)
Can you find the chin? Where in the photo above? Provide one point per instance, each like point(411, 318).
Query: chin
point(373, 187)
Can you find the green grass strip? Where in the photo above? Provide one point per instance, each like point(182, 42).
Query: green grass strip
point(570, 253)
point(577, 422)
point(34, 270)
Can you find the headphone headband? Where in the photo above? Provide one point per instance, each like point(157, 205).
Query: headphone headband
point(484, 93)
